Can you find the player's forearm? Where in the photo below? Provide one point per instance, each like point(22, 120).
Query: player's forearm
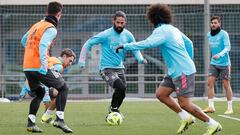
point(138, 56)
point(225, 50)
point(190, 51)
point(24, 40)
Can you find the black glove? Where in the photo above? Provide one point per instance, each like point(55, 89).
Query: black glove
point(118, 48)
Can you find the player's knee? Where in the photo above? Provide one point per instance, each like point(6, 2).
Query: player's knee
point(160, 96)
point(210, 84)
point(53, 92)
point(40, 92)
point(120, 88)
point(63, 88)
point(184, 105)
point(119, 85)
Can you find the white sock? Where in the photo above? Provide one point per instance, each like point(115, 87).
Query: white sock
point(229, 104)
point(60, 114)
point(49, 112)
point(32, 118)
point(211, 122)
point(211, 102)
point(183, 115)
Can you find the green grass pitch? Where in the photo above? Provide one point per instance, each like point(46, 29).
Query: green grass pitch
point(141, 118)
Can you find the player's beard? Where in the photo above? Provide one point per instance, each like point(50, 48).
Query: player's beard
point(215, 32)
point(118, 29)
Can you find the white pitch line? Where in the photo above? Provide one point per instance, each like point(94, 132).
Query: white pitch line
point(229, 117)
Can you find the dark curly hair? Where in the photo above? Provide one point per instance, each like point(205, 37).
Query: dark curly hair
point(159, 13)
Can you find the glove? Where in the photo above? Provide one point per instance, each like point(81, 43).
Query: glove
point(118, 48)
point(144, 61)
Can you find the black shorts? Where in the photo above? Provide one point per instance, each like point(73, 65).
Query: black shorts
point(183, 85)
point(110, 75)
point(222, 72)
point(51, 79)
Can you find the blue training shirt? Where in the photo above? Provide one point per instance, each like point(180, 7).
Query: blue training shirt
point(109, 40)
point(176, 48)
point(220, 45)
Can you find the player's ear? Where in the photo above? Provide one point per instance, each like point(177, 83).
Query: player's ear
point(113, 21)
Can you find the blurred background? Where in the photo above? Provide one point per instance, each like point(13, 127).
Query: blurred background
point(82, 19)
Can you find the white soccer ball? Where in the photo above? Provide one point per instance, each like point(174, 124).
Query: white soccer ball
point(114, 119)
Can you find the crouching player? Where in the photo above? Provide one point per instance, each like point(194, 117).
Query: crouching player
point(58, 64)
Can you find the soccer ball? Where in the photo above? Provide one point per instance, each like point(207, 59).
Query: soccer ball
point(114, 119)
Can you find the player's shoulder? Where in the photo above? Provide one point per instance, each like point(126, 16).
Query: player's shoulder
point(127, 32)
point(106, 32)
point(51, 31)
point(224, 32)
point(208, 34)
point(54, 60)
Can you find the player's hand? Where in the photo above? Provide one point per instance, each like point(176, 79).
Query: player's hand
point(118, 48)
point(144, 61)
point(81, 65)
point(216, 57)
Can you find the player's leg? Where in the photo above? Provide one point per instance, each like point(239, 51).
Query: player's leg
point(49, 113)
point(55, 80)
point(46, 99)
point(112, 79)
point(39, 92)
point(46, 105)
point(225, 75)
point(212, 75)
point(186, 86)
point(163, 94)
point(121, 87)
point(53, 94)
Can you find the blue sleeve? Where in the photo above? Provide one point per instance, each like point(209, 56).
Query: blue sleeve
point(24, 39)
point(188, 45)
point(137, 54)
point(97, 39)
point(45, 42)
point(153, 40)
point(227, 45)
point(58, 68)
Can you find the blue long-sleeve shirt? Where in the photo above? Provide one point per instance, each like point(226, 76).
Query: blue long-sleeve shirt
point(109, 40)
point(176, 48)
point(46, 40)
point(220, 45)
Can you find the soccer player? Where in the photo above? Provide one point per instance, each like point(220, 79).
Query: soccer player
point(220, 64)
point(111, 63)
point(37, 42)
point(177, 51)
point(65, 60)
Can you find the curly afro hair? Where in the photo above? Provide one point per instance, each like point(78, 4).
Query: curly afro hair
point(159, 13)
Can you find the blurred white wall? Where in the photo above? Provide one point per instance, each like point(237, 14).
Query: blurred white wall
point(115, 2)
